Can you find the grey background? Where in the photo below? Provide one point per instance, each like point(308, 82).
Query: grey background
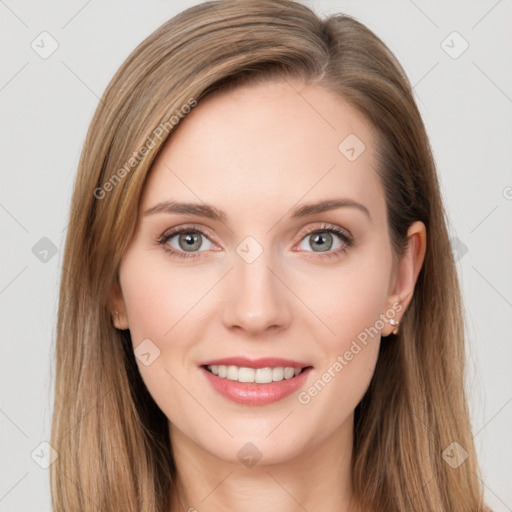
point(47, 104)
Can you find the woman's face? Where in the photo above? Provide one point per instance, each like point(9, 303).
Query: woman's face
point(260, 168)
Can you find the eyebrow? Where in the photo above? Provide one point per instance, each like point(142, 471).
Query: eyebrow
point(201, 210)
point(206, 210)
point(330, 204)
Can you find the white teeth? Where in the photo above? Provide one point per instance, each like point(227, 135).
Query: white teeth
point(288, 372)
point(232, 373)
point(278, 373)
point(254, 375)
point(245, 374)
point(263, 375)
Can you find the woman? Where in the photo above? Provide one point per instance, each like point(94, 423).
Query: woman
point(259, 305)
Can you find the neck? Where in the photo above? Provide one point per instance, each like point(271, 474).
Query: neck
point(318, 478)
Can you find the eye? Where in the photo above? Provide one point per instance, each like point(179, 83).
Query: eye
point(326, 239)
point(189, 241)
point(186, 242)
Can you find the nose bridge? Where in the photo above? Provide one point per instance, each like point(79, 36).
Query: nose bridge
point(256, 297)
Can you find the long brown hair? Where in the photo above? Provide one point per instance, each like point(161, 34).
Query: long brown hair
point(111, 438)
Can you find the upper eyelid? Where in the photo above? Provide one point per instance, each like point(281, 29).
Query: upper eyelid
point(327, 227)
point(187, 227)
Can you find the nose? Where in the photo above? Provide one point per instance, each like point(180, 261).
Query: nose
point(257, 299)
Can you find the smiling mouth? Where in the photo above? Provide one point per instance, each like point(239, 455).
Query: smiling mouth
point(265, 375)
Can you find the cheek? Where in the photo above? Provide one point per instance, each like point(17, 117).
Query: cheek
point(353, 306)
point(352, 303)
point(158, 297)
point(350, 300)
point(161, 304)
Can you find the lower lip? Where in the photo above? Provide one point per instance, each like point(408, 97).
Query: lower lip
point(256, 394)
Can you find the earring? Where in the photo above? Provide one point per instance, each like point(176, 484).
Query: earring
point(395, 324)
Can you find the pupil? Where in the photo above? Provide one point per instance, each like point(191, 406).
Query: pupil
point(324, 240)
point(190, 241)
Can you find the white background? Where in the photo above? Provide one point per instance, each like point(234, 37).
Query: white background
point(47, 105)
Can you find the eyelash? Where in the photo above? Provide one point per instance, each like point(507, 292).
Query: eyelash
point(346, 238)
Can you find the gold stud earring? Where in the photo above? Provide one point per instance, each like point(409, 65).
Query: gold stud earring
point(395, 324)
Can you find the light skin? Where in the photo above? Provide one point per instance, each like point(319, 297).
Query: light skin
point(258, 153)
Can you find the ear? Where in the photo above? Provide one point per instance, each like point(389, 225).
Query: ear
point(406, 274)
point(118, 307)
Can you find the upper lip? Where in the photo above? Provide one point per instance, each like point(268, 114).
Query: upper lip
point(262, 362)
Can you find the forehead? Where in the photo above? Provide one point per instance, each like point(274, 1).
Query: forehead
point(261, 144)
